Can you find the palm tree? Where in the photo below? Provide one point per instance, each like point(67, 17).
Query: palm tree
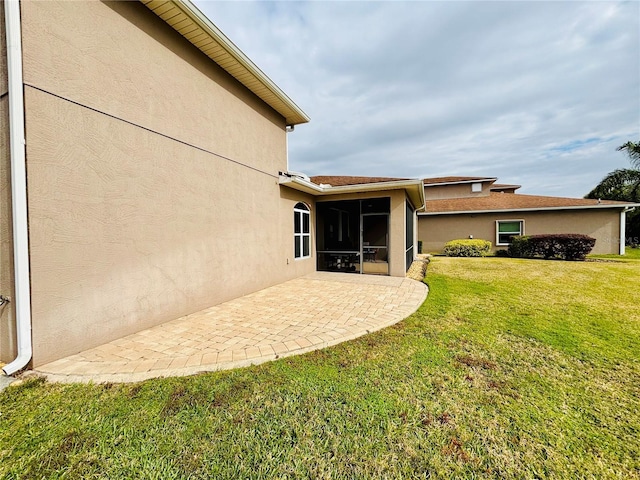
point(624, 185)
point(633, 150)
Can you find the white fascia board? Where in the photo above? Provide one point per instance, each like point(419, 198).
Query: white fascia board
point(539, 209)
point(299, 184)
point(479, 180)
point(314, 189)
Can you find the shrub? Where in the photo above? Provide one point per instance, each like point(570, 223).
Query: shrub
point(567, 246)
point(520, 247)
point(502, 253)
point(467, 248)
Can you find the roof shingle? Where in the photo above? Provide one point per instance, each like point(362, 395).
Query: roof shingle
point(502, 201)
point(341, 180)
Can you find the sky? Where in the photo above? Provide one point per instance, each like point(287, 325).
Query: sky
point(535, 93)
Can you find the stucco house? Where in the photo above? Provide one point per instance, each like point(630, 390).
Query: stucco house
point(143, 173)
point(477, 207)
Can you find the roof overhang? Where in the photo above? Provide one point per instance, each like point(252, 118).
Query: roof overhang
point(503, 186)
point(193, 25)
point(413, 187)
point(623, 206)
point(457, 182)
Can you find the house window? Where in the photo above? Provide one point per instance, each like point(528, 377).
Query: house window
point(301, 231)
point(507, 229)
point(476, 187)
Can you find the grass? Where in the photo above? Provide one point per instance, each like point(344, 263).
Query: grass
point(511, 369)
point(631, 254)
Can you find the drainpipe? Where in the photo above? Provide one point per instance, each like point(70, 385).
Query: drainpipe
point(288, 129)
point(623, 229)
point(18, 188)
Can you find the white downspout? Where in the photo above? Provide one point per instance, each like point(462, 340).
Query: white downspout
point(623, 230)
point(288, 129)
point(22, 298)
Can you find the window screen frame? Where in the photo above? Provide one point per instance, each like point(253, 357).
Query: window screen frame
point(513, 233)
point(301, 231)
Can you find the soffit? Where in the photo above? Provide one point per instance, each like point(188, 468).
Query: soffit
point(193, 25)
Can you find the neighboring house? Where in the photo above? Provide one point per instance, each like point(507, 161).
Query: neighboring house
point(477, 207)
point(148, 179)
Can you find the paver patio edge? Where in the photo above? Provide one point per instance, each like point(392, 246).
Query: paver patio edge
point(415, 296)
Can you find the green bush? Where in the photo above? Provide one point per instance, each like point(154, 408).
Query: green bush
point(467, 248)
point(566, 246)
point(520, 247)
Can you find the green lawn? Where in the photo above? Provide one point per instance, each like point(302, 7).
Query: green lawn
point(511, 369)
point(630, 254)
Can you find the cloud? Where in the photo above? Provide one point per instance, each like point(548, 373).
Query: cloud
point(537, 93)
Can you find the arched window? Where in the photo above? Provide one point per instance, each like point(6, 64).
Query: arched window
point(301, 231)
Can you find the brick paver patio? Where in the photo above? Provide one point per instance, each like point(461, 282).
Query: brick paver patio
point(304, 314)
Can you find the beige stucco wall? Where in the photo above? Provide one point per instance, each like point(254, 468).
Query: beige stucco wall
point(397, 234)
point(396, 224)
point(603, 225)
point(134, 219)
point(458, 190)
point(121, 59)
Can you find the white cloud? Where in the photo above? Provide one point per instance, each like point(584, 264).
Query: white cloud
point(537, 93)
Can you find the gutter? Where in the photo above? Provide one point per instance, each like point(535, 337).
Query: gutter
point(303, 185)
point(532, 209)
point(460, 182)
point(18, 188)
